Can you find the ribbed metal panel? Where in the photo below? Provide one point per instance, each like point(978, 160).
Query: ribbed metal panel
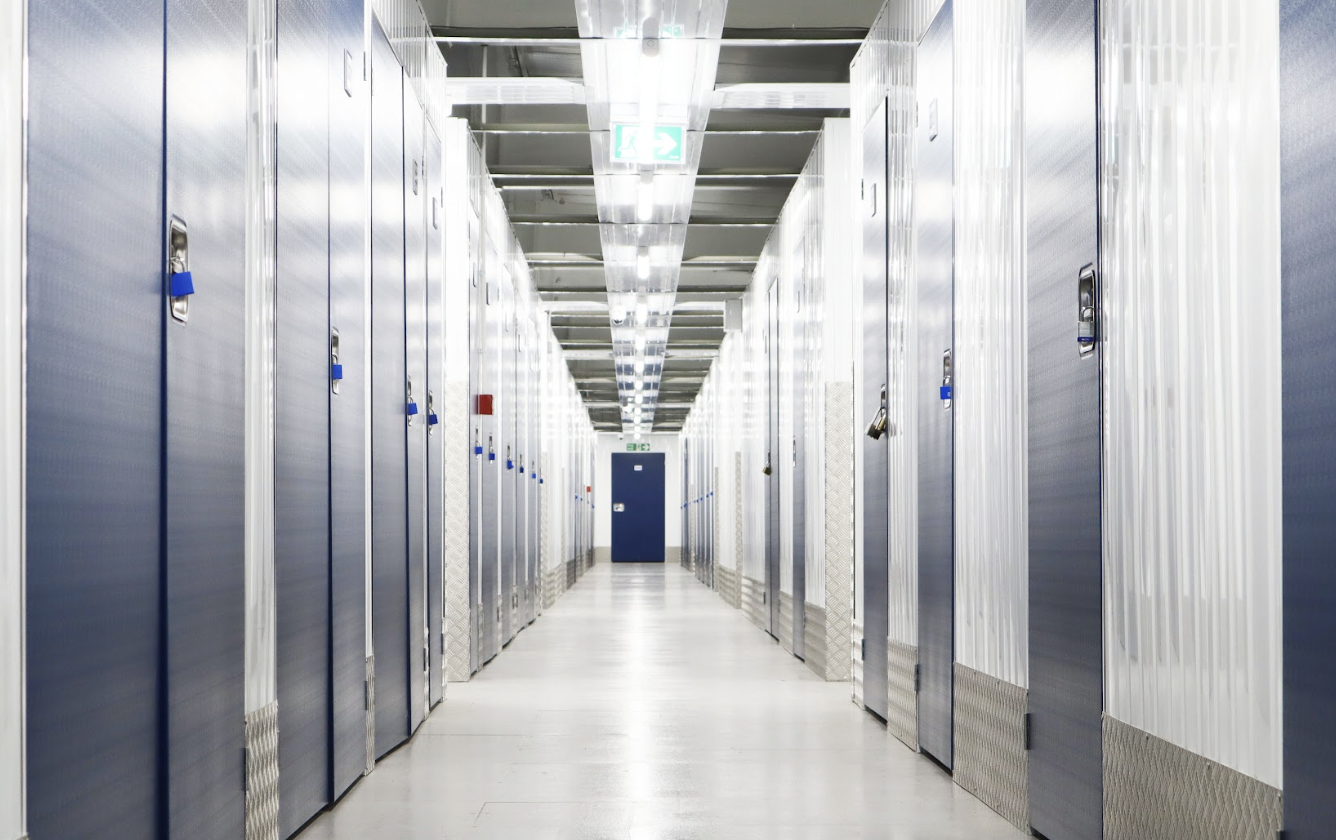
point(1191, 232)
point(990, 351)
point(885, 70)
point(409, 33)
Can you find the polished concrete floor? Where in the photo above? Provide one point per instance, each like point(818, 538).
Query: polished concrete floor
point(641, 707)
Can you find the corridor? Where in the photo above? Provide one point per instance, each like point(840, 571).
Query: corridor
point(643, 708)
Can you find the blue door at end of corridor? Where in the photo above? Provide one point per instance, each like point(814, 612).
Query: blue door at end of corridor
point(637, 507)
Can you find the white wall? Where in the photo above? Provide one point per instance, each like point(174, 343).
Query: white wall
point(1192, 371)
point(671, 446)
point(12, 28)
point(992, 523)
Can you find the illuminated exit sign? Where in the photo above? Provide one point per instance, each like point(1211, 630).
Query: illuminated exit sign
point(666, 140)
point(639, 447)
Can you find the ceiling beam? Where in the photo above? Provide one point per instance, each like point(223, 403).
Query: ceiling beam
point(569, 36)
point(593, 221)
point(576, 128)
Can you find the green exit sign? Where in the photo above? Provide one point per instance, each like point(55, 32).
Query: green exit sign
point(639, 447)
point(666, 140)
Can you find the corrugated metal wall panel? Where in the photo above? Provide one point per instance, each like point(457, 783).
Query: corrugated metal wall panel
point(1192, 376)
point(990, 347)
point(12, 36)
point(885, 69)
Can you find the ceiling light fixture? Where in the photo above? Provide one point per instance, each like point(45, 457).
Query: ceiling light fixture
point(645, 198)
point(642, 262)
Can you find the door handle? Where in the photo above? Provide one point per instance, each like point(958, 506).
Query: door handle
point(335, 366)
point(1087, 311)
point(180, 282)
point(947, 389)
point(766, 469)
point(881, 420)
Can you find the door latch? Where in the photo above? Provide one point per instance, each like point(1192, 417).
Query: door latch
point(881, 421)
point(180, 282)
point(412, 406)
point(766, 470)
point(946, 392)
point(335, 366)
point(432, 419)
point(1087, 311)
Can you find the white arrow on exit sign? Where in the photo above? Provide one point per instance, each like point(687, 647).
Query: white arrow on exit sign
point(667, 140)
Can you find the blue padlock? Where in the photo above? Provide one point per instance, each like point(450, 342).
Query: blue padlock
point(432, 419)
point(336, 372)
point(477, 450)
point(946, 392)
point(182, 284)
point(412, 409)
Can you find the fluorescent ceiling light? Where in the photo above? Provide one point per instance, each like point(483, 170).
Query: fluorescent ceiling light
point(645, 199)
point(642, 262)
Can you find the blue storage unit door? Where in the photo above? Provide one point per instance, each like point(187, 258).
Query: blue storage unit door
point(415, 337)
point(638, 499)
point(933, 379)
point(204, 590)
point(301, 409)
point(435, 415)
point(94, 419)
point(1066, 654)
point(875, 609)
point(389, 402)
point(347, 405)
point(1308, 225)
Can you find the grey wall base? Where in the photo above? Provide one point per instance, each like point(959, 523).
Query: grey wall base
point(673, 554)
point(901, 698)
point(554, 583)
point(1155, 790)
point(814, 640)
point(370, 713)
point(603, 554)
point(262, 773)
point(990, 756)
point(726, 583)
point(838, 521)
point(785, 629)
point(753, 603)
point(856, 661)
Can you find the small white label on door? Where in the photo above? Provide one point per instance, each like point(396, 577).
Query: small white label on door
point(640, 467)
point(619, 508)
